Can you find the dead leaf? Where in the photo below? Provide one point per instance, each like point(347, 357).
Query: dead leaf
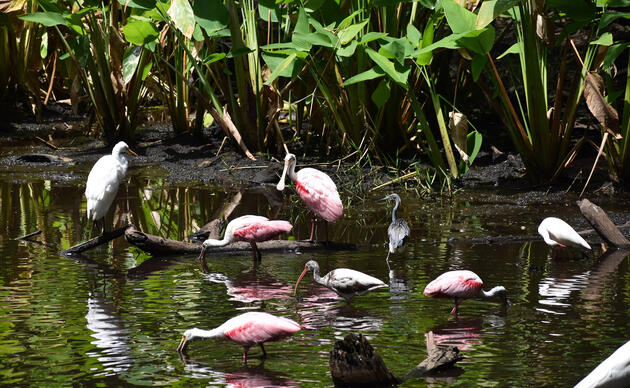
point(603, 112)
point(458, 127)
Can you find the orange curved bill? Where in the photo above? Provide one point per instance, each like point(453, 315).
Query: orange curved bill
point(298, 281)
point(132, 153)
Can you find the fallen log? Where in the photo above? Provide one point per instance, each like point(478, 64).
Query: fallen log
point(210, 230)
point(606, 229)
point(438, 358)
point(96, 241)
point(160, 246)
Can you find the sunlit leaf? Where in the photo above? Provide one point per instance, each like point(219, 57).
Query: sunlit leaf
point(459, 18)
point(47, 19)
point(212, 15)
point(491, 9)
point(398, 75)
point(348, 50)
point(513, 49)
point(183, 16)
point(139, 32)
point(349, 33)
point(130, 62)
point(140, 4)
point(605, 40)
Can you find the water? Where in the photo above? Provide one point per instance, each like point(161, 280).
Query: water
point(116, 315)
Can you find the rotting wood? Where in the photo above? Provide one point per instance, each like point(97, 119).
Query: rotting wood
point(26, 236)
point(606, 229)
point(438, 358)
point(96, 241)
point(354, 363)
point(210, 230)
point(159, 246)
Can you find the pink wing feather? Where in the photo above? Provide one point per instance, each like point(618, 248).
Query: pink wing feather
point(257, 327)
point(454, 284)
point(319, 193)
point(262, 230)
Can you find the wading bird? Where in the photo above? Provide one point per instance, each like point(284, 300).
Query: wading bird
point(249, 329)
point(557, 232)
point(104, 179)
point(316, 189)
point(613, 372)
point(347, 283)
point(461, 285)
point(398, 230)
point(248, 228)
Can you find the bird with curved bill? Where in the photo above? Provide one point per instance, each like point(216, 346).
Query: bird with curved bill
point(248, 329)
point(104, 180)
point(347, 283)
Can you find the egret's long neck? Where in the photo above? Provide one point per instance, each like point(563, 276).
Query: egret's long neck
point(496, 291)
point(395, 208)
point(121, 158)
point(200, 334)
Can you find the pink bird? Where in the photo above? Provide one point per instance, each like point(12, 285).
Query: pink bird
point(252, 328)
point(248, 228)
point(347, 283)
point(316, 189)
point(461, 285)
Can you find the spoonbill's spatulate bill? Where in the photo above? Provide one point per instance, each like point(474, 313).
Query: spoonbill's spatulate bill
point(251, 229)
point(316, 189)
point(460, 285)
point(248, 329)
point(104, 179)
point(613, 372)
point(398, 230)
point(347, 283)
point(556, 232)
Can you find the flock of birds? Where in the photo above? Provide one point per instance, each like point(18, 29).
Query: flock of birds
point(318, 191)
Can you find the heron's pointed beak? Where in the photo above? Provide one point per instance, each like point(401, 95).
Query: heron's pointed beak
point(298, 281)
point(182, 345)
point(131, 152)
point(280, 185)
point(383, 199)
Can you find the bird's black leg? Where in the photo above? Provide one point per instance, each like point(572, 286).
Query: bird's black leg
point(256, 252)
point(312, 229)
point(245, 349)
point(202, 260)
point(263, 350)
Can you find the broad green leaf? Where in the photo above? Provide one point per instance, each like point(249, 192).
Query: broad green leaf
point(610, 17)
point(473, 145)
point(301, 42)
point(140, 4)
point(130, 62)
point(47, 19)
point(373, 73)
point(43, 47)
point(301, 26)
point(213, 57)
point(349, 33)
point(413, 35)
point(80, 45)
point(269, 9)
point(612, 53)
point(381, 93)
point(449, 42)
point(282, 66)
point(146, 69)
point(477, 64)
point(479, 41)
point(239, 52)
point(139, 32)
point(372, 36)
point(513, 49)
point(348, 50)
point(183, 16)
point(491, 9)
point(398, 75)
point(279, 46)
point(334, 41)
point(605, 40)
point(348, 19)
point(427, 40)
point(211, 15)
point(459, 18)
point(398, 49)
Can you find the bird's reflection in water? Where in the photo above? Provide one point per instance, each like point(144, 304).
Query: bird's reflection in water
point(256, 376)
point(322, 309)
point(398, 284)
point(464, 334)
point(252, 287)
point(112, 339)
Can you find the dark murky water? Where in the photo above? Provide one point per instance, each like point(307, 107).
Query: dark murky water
point(116, 316)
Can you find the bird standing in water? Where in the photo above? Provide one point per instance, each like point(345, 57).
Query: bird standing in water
point(248, 228)
point(556, 232)
point(248, 329)
point(316, 189)
point(104, 179)
point(460, 285)
point(347, 283)
point(398, 231)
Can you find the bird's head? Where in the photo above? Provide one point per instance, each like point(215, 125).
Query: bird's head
point(289, 167)
point(188, 336)
point(501, 293)
point(121, 148)
point(311, 266)
point(391, 196)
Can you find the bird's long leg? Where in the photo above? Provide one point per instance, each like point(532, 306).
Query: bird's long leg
point(326, 231)
point(245, 350)
point(202, 260)
point(263, 350)
point(454, 310)
point(312, 228)
point(255, 252)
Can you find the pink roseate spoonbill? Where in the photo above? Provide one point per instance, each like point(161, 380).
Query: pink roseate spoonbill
point(248, 228)
point(104, 179)
point(316, 189)
point(556, 232)
point(613, 372)
point(249, 329)
point(347, 283)
point(461, 285)
point(398, 230)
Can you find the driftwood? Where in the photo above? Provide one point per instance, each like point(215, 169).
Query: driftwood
point(96, 241)
point(438, 358)
point(27, 236)
point(355, 363)
point(210, 230)
point(159, 246)
point(606, 229)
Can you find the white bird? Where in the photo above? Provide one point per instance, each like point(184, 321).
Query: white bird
point(557, 232)
point(613, 372)
point(104, 179)
point(347, 283)
point(398, 231)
